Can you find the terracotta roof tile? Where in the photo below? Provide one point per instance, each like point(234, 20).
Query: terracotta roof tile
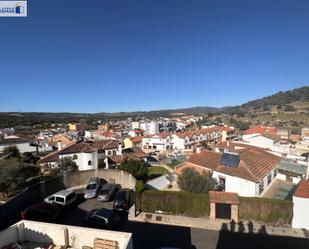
point(302, 189)
point(260, 130)
point(254, 163)
point(90, 146)
point(51, 157)
point(116, 158)
point(223, 197)
point(137, 139)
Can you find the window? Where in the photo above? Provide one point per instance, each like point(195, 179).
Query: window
point(70, 196)
point(75, 157)
point(52, 198)
point(275, 173)
point(114, 152)
point(60, 199)
point(269, 179)
point(109, 153)
point(89, 162)
point(261, 187)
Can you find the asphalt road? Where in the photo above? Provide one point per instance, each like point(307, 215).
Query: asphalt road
point(150, 236)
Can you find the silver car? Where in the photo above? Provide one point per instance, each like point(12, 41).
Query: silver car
point(107, 192)
point(92, 188)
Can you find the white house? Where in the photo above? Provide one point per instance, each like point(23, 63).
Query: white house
point(88, 155)
point(301, 205)
point(150, 128)
point(272, 142)
point(247, 172)
point(135, 125)
point(160, 142)
point(23, 145)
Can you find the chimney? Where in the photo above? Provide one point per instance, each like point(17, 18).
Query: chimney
point(59, 145)
point(120, 148)
point(198, 149)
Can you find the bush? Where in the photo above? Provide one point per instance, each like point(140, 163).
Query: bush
point(139, 186)
point(269, 211)
point(177, 203)
point(289, 108)
point(136, 168)
point(192, 181)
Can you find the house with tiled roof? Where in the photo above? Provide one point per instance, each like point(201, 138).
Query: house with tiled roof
point(88, 155)
point(188, 139)
point(270, 141)
point(249, 171)
point(261, 130)
point(129, 153)
point(301, 205)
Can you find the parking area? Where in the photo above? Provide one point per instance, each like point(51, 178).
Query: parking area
point(75, 214)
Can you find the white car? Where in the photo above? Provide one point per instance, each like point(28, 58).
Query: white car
point(63, 197)
point(92, 188)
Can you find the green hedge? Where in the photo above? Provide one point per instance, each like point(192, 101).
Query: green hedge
point(269, 211)
point(179, 203)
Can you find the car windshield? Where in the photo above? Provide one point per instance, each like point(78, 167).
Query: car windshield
point(121, 195)
point(91, 186)
point(104, 192)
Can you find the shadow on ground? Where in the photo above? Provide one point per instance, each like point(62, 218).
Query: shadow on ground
point(229, 237)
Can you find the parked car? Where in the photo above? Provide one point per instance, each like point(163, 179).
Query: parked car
point(102, 218)
point(63, 198)
point(41, 212)
point(107, 192)
point(123, 199)
point(92, 188)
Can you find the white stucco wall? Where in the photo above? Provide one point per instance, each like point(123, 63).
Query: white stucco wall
point(60, 234)
point(24, 147)
point(258, 140)
point(178, 143)
point(83, 159)
point(234, 184)
point(300, 213)
point(160, 143)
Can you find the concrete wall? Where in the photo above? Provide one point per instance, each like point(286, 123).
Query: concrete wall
point(300, 213)
point(61, 235)
point(295, 180)
point(110, 175)
point(77, 237)
point(9, 235)
point(10, 211)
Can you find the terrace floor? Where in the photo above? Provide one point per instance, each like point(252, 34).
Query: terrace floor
point(280, 190)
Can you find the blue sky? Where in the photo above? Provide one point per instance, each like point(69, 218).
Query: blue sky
point(97, 55)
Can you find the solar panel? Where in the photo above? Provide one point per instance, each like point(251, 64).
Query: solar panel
point(225, 159)
point(230, 160)
point(234, 161)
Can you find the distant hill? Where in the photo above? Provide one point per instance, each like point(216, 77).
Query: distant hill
point(280, 99)
point(296, 100)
